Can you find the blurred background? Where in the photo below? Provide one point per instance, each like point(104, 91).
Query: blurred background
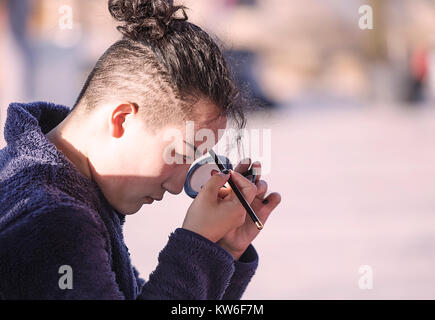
point(352, 119)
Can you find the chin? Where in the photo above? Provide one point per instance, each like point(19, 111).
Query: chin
point(128, 210)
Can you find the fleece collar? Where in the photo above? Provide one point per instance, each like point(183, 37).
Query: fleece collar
point(28, 147)
point(25, 129)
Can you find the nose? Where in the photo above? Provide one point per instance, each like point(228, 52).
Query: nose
point(175, 183)
point(176, 190)
point(175, 187)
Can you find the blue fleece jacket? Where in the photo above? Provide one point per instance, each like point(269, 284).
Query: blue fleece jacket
point(51, 216)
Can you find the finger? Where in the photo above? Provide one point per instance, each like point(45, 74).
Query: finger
point(268, 205)
point(225, 191)
point(271, 201)
point(213, 172)
point(261, 189)
point(256, 167)
point(243, 165)
point(246, 187)
point(262, 211)
point(214, 184)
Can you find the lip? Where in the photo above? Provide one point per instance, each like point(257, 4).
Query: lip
point(148, 200)
point(151, 199)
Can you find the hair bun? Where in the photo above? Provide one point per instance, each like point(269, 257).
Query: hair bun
point(145, 19)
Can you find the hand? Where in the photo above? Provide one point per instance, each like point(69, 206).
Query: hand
point(214, 215)
point(237, 240)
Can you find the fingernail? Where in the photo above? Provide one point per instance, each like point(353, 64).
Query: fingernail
point(265, 201)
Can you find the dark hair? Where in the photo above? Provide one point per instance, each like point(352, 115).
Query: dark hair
point(163, 64)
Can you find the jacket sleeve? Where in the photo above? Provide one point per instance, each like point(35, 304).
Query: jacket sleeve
point(244, 270)
point(190, 267)
point(200, 269)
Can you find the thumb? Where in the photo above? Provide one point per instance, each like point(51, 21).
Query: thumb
point(214, 184)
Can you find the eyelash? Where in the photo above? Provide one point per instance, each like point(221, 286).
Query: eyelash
point(185, 158)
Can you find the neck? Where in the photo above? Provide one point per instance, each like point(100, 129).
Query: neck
point(72, 144)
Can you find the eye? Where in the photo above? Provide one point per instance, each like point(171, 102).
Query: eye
point(185, 158)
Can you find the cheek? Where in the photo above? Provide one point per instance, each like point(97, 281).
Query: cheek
point(166, 171)
point(154, 173)
point(143, 163)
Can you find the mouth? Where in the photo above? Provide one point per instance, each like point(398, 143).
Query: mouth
point(150, 200)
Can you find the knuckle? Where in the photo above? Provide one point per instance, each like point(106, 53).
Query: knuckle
point(239, 211)
point(241, 216)
point(254, 188)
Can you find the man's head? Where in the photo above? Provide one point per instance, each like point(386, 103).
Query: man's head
point(130, 162)
point(164, 72)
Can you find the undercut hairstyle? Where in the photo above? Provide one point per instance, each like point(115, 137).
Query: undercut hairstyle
point(163, 64)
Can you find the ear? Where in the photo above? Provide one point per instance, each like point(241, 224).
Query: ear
point(118, 117)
